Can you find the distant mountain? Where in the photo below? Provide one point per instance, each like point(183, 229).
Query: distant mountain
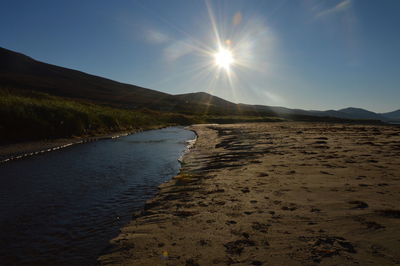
point(350, 113)
point(204, 103)
point(392, 116)
point(359, 113)
point(18, 71)
point(203, 97)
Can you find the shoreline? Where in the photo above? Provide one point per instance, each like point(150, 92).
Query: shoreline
point(190, 144)
point(21, 150)
point(273, 194)
point(25, 149)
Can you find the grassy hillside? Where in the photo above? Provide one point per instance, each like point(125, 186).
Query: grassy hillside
point(22, 72)
point(39, 100)
point(31, 115)
point(19, 71)
point(34, 115)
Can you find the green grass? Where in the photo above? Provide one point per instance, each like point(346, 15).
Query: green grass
point(240, 119)
point(30, 115)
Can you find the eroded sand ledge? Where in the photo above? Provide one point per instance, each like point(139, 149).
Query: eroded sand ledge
point(20, 150)
point(274, 194)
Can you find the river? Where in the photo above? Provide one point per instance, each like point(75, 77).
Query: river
point(63, 207)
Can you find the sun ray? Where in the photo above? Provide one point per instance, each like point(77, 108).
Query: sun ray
point(213, 22)
point(223, 60)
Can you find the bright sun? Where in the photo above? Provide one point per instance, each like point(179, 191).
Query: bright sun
point(223, 58)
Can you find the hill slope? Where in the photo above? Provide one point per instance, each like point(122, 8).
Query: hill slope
point(18, 71)
point(22, 72)
point(352, 112)
point(393, 116)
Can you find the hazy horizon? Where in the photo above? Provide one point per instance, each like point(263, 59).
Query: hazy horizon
point(312, 55)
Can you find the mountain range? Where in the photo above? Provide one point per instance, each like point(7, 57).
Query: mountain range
point(18, 71)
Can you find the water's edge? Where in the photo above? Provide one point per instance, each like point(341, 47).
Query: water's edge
point(27, 149)
point(190, 145)
point(122, 196)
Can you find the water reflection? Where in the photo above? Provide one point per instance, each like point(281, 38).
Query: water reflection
point(63, 207)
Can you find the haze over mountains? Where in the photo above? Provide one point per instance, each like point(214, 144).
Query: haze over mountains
point(18, 71)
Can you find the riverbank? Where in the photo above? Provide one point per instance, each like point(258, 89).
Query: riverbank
point(63, 207)
point(19, 150)
point(274, 194)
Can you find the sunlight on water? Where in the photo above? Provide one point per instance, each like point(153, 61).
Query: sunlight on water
point(64, 206)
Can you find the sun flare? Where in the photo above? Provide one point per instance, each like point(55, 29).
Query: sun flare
point(224, 58)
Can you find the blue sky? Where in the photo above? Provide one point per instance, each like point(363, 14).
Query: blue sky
point(309, 54)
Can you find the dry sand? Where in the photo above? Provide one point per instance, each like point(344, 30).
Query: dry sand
point(274, 194)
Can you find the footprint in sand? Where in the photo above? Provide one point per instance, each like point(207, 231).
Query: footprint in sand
point(371, 225)
point(315, 210)
point(383, 184)
point(289, 208)
point(191, 262)
point(358, 204)
point(246, 190)
point(204, 242)
point(237, 247)
point(389, 213)
point(261, 227)
point(325, 173)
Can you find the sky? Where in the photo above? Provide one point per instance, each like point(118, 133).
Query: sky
point(307, 54)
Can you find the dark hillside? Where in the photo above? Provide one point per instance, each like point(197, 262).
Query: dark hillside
point(23, 72)
point(20, 72)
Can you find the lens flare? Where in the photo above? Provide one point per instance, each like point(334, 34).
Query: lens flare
point(231, 58)
point(224, 58)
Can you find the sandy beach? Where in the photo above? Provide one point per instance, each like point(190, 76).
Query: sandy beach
point(274, 194)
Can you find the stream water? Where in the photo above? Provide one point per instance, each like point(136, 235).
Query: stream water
point(63, 207)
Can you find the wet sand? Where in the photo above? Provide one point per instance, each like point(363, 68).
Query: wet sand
point(274, 194)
